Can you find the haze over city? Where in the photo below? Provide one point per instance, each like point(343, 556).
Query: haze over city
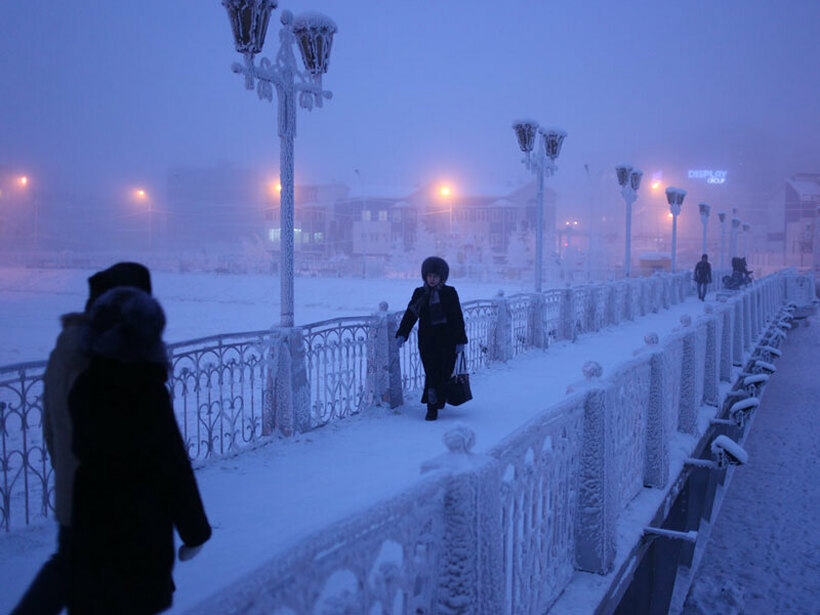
point(103, 96)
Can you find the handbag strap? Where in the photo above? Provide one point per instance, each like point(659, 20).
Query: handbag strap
point(460, 366)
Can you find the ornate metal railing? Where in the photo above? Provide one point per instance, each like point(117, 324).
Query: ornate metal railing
point(25, 471)
point(521, 314)
point(336, 357)
point(218, 387)
point(479, 320)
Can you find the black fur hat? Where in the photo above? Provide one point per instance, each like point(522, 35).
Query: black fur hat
point(435, 264)
point(121, 274)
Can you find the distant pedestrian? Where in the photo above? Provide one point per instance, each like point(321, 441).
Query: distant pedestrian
point(703, 276)
point(134, 482)
point(441, 331)
point(48, 593)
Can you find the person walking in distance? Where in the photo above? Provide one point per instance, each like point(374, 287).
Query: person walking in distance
point(48, 592)
point(134, 483)
point(441, 331)
point(703, 276)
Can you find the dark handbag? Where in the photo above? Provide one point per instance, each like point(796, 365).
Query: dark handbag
point(458, 386)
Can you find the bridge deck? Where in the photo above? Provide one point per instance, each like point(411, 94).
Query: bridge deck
point(266, 500)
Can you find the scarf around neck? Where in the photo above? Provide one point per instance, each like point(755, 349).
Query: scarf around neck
point(437, 316)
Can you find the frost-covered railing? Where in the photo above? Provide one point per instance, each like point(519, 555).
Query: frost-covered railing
point(217, 385)
point(504, 532)
point(230, 390)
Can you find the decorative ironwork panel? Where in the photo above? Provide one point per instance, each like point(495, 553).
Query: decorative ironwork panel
point(412, 371)
point(383, 560)
point(336, 356)
point(479, 319)
point(579, 302)
point(26, 489)
point(520, 308)
point(218, 386)
point(552, 313)
point(539, 466)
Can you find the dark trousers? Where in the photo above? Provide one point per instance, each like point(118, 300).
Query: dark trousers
point(48, 592)
point(702, 286)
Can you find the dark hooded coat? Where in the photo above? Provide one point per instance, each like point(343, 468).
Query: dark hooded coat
point(134, 482)
point(437, 342)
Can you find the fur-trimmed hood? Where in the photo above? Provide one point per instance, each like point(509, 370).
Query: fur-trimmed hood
point(126, 324)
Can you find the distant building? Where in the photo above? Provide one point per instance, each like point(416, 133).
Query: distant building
point(801, 200)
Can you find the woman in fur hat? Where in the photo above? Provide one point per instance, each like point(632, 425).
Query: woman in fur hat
point(134, 483)
point(441, 331)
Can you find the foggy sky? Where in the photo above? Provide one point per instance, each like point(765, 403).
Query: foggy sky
point(101, 96)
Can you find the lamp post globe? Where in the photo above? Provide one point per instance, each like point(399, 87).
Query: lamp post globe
point(675, 196)
point(312, 34)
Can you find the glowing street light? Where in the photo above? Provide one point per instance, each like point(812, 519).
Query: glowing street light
point(704, 209)
point(629, 179)
point(541, 161)
point(23, 181)
point(675, 196)
point(312, 34)
point(141, 194)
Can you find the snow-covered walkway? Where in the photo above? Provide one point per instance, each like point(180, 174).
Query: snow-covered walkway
point(763, 555)
point(266, 500)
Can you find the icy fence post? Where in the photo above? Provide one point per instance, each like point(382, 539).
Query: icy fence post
point(665, 292)
point(726, 344)
point(567, 315)
point(737, 327)
point(470, 572)
point(597, 511)
point(711, 374)
point(747, 322)
point(383, 365)
point(502, 342)
point(287, 398)
point(674, 288)
point(643, 293)
point(611, 316)
point(658, 431)
point(756, 325)
point(535, 316)
point(688, 408)
point(621, 310)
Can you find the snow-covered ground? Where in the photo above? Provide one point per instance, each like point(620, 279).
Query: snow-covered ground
point(763, 554)
point(266, 500)
point(199, 304)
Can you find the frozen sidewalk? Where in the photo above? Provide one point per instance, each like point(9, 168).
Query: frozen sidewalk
point(763, 554)
point(264, 501)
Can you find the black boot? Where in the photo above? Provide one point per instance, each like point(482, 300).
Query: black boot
point(432, 413)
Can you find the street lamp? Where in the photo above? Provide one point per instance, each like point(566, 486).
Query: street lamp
point(704, 209)
point(629, 179)
point(141, 195)
point(675, 196)
point(733, 237)
point(540, 160)
point(746, 228)
point(722, 218)
point(313, 34)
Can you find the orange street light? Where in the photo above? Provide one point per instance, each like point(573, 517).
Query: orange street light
point(23, 180)
point(656, 184)
point(445, 191)
point(140, 193)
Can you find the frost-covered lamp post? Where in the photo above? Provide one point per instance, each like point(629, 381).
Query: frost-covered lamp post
point(722, 218)
point(313, 33)
point(629, 179)
point(733, 237)
point(674, 196)
point(746, 228)
point(541, 161)
point(704, 209)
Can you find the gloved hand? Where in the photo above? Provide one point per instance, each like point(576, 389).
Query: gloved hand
point(400, 341)
point(461, 348)
point(186, 553)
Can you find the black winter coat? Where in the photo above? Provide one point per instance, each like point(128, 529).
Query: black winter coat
point(703, 272)
point(437, 343)
point(134, 484)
